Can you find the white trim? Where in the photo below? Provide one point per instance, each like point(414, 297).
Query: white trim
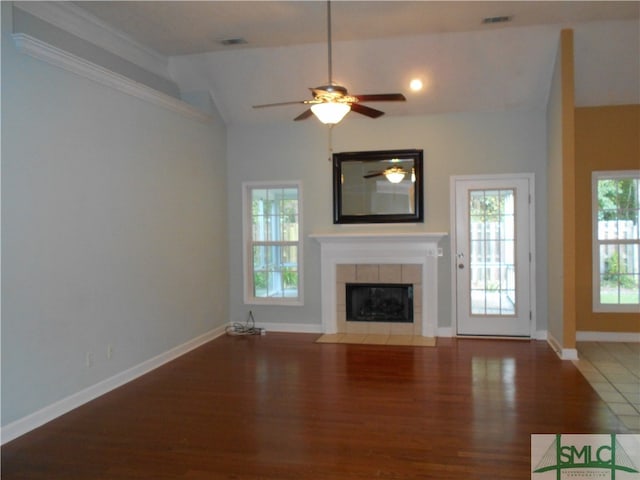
point(446, 332)
point(540, 335)
point(78, 22)
point(569, 354)
point(563, 353)
point(453, 236)
point(34, 420)
point(291, 327)
point(247, 267)
point(628, 337)
point(530, 177)
point(55, 56)
point(377, 237)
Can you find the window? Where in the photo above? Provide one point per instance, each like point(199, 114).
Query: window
point(616, 241)
point(273, 249)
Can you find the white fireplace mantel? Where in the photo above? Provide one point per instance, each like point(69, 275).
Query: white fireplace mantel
point(377, 248)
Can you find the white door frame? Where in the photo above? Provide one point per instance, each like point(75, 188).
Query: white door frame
point(530, 177)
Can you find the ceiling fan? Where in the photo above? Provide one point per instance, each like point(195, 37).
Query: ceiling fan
point(331, 102)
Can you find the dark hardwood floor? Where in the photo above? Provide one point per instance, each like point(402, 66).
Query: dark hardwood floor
point(283, 407)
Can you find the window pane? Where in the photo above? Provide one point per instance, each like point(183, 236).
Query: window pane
point(619, 274)
point(618, 204)
point(629, 259)
point(617, 262)
point(259, 257)
point(290, 220)
point(274, 229)
point(492, 251)
point(476, 203)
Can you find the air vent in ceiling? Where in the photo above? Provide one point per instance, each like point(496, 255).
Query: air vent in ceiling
point(498, 19)
point(227, 42)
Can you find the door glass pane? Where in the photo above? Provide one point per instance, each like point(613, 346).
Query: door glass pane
point(492, 252)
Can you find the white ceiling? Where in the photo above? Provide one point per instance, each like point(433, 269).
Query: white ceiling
point(377, 47)
point(186, 27)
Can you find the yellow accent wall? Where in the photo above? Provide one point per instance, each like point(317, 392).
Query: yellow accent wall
point(607, 138)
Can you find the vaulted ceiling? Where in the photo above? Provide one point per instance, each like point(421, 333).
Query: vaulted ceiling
point(378, 47)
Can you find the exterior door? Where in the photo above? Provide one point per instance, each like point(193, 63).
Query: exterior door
point(493, 255)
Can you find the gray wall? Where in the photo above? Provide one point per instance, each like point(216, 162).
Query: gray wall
point(113, 231)
point(454, 144)
point(554, 213)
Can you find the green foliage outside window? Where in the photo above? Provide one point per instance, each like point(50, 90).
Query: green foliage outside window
point(614, 273)
point(618, 199)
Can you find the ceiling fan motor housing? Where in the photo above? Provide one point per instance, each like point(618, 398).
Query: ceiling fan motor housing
point(332, 88)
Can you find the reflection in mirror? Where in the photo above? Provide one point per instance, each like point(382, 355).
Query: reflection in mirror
point(378, 186)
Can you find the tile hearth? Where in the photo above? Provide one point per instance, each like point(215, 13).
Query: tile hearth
point(374, 339)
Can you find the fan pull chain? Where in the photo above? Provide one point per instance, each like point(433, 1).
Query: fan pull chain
point(330, 143)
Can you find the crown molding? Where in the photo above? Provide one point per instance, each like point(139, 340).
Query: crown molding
point(43, 51)
point(82, 24)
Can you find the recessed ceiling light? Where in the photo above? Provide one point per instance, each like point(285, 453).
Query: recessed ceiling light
point(415, 85)
point(497, 19)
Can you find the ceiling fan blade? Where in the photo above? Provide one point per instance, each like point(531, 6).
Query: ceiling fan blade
point(371, 175)
point(367, 111)
point(278, 104)
point(304, 115)
point(382, 97)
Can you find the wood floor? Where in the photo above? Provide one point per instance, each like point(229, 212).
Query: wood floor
point(283, 407)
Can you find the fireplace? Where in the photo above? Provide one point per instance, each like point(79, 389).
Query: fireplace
point(379, 302)
point(380, 257)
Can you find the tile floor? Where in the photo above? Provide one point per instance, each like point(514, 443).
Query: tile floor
point(374, 339)
point(613, 370)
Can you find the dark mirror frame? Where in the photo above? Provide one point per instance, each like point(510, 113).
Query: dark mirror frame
point(339, 159)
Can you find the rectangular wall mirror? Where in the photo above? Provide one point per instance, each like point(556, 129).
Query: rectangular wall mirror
point(384, 186)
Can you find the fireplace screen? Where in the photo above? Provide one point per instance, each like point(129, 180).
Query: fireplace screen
point(376, 302)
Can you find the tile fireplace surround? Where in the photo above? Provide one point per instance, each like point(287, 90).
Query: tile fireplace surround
point(391, 254)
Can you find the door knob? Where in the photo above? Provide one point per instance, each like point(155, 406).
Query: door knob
point(461, 266)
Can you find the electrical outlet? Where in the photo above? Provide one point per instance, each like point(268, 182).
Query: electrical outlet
point(109, 351)
point(89, 359)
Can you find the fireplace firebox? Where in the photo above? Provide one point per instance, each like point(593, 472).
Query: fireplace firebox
point(379, 302)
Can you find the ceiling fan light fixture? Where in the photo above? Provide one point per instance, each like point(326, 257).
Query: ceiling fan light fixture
point(416, 85)
point(394, 174)
point(330, 113)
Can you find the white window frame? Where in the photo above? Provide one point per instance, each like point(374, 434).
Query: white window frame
point(247, 271)
point(595, 256)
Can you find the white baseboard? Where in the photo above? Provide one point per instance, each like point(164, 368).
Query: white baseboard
point(291, 327)
point(569, 354)
point(448, 332)
point(445, 332)
point(540, 335)
point(632, 337)
point(563, 353)
point(34, 420)
point(317, 328)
